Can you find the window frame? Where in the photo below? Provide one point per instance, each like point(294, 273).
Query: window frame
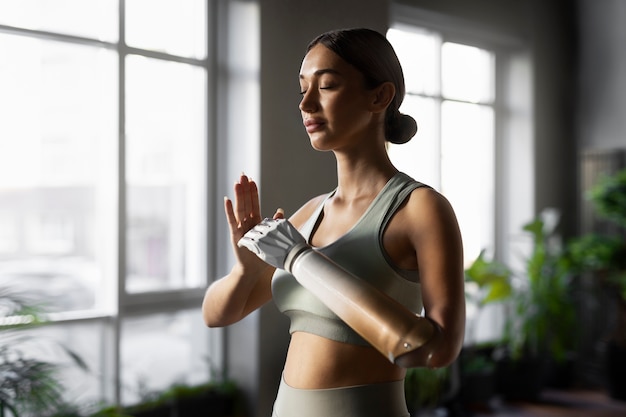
point(123, 304)
point(513, 131)
point(507, 49)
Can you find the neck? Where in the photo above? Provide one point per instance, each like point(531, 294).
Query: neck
point(363, 175)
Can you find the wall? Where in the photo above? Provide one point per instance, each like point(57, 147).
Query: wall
point(601, 80)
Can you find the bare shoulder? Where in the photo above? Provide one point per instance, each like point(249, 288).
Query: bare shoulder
point(305, 212)
point(425, 199)
point(428, 209)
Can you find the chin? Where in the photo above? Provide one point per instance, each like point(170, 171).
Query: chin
point(320, 145)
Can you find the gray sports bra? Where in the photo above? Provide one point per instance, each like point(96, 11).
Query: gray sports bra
point(359, 251)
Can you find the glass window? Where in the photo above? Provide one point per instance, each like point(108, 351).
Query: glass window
point(450, 93)
point(165, 171)
point(181, 355)
point(467, 73)
point(95, 19)
point(468, 171)
point(103, 184)
point(172, 26)
point(57, 168)
point(419, 52)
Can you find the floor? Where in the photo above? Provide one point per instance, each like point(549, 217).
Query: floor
point(562, 403)
point(571, 403)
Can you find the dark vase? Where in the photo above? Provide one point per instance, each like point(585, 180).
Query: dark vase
point(616, 370)
point(160, 411)
point(210, 404)
point(478, 389)
point(521, 379)
point(561, 374)
point(478, 377)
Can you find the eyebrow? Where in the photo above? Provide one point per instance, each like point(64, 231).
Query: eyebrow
point(323, 71)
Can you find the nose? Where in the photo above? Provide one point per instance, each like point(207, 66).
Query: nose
point(309, 101)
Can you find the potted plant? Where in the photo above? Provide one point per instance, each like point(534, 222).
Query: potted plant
point(425, 389)
point(28, 386)
point(487, 282)
point(218, 399)
point(541, 325)
point(213, 399)
point(603, 255)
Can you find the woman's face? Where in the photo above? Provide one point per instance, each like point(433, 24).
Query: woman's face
point(335, 104)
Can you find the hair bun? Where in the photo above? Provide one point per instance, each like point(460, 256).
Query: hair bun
point(402, 130)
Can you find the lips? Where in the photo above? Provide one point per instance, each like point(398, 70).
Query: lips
point(312, 124)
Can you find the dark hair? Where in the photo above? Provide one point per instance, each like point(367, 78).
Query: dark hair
point(372, 54)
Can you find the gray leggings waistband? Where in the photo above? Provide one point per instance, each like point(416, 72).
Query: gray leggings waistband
point(376, 400)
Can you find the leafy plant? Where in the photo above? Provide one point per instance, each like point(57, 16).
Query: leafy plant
point(424, 387)
point(491, 281)
point(604, 255)
point(543, 319)
point(608, 196)
point(28, 386)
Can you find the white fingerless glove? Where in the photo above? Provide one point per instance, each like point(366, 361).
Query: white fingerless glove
point(276, 241)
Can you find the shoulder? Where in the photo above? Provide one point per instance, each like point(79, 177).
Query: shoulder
point(427, 198)
point(427, 209)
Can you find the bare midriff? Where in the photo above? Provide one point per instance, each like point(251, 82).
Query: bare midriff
point(314, 362)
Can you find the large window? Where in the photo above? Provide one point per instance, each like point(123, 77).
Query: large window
point(469, 91)
point(103, 181)
point(450, 92)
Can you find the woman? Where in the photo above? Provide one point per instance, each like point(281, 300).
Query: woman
point(393, 233)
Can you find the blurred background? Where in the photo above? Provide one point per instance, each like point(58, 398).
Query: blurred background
point(123, 123)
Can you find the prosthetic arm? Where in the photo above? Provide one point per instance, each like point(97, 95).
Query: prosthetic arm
point(387, 325)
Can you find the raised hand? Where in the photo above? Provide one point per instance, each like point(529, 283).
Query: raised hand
point(243, 214)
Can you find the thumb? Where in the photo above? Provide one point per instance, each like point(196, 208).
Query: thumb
point(280, 214)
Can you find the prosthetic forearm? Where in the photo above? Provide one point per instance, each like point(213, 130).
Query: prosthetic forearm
point(386, 324)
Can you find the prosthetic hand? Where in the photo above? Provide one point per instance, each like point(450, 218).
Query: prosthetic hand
point(383, 322)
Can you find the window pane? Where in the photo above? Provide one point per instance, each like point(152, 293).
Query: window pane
point(96, 19)
point(57, 169)
point(176, 27)
point(467, 73)
point(468, 171)
point(181, 357)
point(165, 167)
point(89, 340)
point(419, 54)
point(420, 156)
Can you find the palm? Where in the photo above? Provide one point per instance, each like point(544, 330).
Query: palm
point(243, 214)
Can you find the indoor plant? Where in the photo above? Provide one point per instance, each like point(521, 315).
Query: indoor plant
point(425, 389)
point(487, 282)
point(541, 325)
point(28, 386)
point(603, 256)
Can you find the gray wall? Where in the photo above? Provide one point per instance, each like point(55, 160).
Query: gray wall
point(601, 120)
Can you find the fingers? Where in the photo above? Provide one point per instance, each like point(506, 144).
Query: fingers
point(246, 200)
point(246, 207)
point(230, 214)
point(280, 214)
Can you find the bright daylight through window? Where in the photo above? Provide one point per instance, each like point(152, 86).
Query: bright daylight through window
point(451, 95)
point(103, 161)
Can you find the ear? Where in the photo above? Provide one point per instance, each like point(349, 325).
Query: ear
point(382, 96)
